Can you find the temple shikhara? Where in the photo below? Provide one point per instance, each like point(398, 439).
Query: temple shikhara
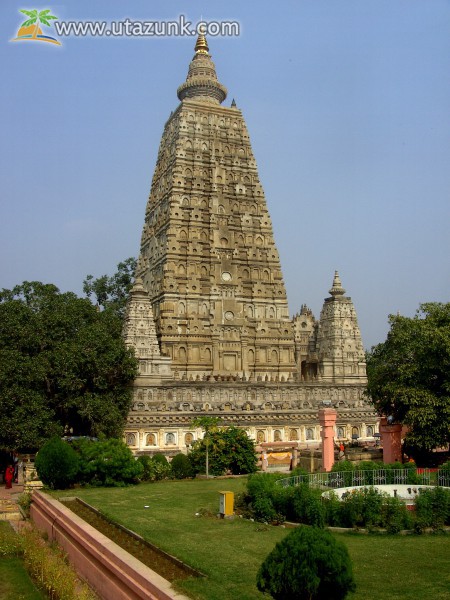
point(208, 315)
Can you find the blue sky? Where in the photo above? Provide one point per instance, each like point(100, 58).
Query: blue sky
point(347, 105)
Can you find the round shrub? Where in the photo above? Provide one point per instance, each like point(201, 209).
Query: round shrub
point(57, 464)
point(147, 467)
point(181, 466)
point(309, 564)
point(107, 463)
point(161, 467)
point(263, 509)
point(160, 458)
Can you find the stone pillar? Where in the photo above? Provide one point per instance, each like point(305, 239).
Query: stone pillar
point(264, 461)
point(294, 458)
point(327, 420)
point(391, 439)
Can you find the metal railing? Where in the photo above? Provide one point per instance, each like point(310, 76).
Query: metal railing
point(338, 479)
point(443, 478)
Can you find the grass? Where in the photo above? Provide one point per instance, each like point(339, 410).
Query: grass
point(15, 583)
point(230, 552)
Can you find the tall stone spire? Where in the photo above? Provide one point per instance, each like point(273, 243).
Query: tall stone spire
point(336, 288)
point(208, 258)
point(339, 348)
point(140, 334)
point(201, 81)
point(208, 316)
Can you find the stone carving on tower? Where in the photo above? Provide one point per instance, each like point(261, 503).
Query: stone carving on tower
point(208, 258)
point(208, 314)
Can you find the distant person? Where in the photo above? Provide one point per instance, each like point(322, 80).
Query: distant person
point(9, 476)
point(341, 451)
point(16, 467)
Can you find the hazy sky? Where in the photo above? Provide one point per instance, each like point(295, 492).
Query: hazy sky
point(347, 105)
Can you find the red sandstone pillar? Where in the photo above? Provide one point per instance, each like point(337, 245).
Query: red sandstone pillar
point(327, 420)
point(391, 439)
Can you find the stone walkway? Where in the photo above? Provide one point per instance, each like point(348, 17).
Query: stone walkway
point(9, 510)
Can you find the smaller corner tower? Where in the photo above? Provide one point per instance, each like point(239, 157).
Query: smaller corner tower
point(140, 334)
point(338, 345)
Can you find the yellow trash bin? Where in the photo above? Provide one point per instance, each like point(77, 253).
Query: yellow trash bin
point(226, 504)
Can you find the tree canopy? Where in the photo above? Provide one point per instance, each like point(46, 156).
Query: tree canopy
point(229, 449)
point(409, 375)
point(112, 292)
point(63, 366)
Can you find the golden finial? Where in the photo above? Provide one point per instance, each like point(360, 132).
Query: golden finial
point(201, 47)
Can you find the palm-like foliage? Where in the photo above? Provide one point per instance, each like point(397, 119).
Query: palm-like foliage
point(35, 17)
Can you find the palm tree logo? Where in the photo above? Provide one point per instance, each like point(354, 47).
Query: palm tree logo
point(30, 29)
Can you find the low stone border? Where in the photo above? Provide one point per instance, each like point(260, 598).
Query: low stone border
point(111, 571)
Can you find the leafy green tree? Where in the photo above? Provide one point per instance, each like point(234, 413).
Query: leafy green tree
point(409, 375)
point(63, 366)
point(112, 292)
point(207, 424)
point(226, 449)
point(57, 464)
point(308, 564)
point(181, 466)
point(155, 468)
point(107, 463)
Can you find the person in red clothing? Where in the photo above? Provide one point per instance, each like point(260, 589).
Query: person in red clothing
point(9, 476)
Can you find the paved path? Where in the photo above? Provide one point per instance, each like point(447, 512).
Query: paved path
point(8, 502)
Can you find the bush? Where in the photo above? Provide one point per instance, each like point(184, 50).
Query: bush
point(155, 468)
point(432, 508)
point(368, 466)
point(262, 484)
point(107, 463)
point(309, 564)
point(308, 507)
point(443, 474)
point(332, 509)
point(181, 467)
point(229, 449)
point(394, 515)
point(49, 568)
point(57, 464)
point(345, 468)
point(263, 509)
point(160, 458)
point(24, 501)
point(361, 508)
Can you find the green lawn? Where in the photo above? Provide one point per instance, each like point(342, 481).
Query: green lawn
point(230, 552)
point(15, 584)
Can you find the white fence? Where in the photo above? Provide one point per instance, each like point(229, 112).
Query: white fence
point(340, 479)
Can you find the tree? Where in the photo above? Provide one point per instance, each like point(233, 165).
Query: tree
point(308, 564)
point(63, 365)
point(112, 292)
point(107, 463)
point(181, 467)
point(57, 464)
point(207, 424)
point(409, 375)
point(227, 449)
